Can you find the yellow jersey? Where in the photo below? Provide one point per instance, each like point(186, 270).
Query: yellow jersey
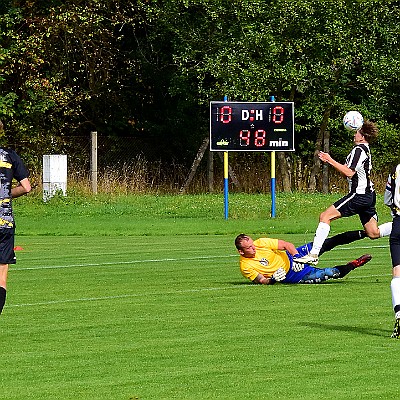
point(266, 261)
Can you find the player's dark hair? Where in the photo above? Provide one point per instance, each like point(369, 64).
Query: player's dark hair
point(369, 130)
point(239, 239)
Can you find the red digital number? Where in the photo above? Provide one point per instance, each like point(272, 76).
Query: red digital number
point(259, 139)
point(244, 137)
point(277, 114)
point(225, 114)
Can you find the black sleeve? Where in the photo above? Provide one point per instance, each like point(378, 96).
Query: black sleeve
point(19, 169)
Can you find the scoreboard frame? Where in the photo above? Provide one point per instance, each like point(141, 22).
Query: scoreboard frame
point(251, 126)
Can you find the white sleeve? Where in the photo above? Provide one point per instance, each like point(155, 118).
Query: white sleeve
point(387, 196)
point(392, 194)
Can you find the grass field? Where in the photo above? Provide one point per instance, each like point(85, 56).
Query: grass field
point(141, 298)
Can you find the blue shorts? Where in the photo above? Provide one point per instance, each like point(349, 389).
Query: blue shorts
point(309, 274)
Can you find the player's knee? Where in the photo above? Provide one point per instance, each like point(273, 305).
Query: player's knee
point(324, 217)
point(372, 231)
point(373, 235)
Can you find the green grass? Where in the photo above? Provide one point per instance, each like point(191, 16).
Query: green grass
point(142, 298)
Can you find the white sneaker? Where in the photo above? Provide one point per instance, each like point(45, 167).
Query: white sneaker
point(307, 259)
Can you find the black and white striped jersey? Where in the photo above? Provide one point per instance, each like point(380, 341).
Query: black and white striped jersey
point(359, 160)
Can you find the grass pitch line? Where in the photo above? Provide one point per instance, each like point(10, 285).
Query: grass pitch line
point(171, 292)
point(122, 296)
point(165, 260)
point(124, 262)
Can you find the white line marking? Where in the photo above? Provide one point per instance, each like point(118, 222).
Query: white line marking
point(126, 296)
point(160, 260)
point(122, 296)
point(121, 262)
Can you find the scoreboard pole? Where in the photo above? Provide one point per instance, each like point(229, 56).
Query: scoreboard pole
point(273, 184)
point(226, 186)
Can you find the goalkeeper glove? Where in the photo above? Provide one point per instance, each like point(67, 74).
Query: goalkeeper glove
point(296, 266)
point(279, 274)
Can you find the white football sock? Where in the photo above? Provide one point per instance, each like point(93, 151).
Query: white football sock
point(385, 229)
point(321, 234)
point(395, 288)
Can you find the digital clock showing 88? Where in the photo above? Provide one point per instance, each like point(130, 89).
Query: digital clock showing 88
point(255, 126)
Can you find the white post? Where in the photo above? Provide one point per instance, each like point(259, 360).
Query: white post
point(93, 162)
point(54, 175)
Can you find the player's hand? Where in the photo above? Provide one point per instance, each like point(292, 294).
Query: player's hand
point(279, 274)
point(296, 266)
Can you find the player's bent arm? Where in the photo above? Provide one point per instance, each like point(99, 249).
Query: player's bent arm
point(344, 169)
point(262, 280)
point(289, 247)
point(23, 187)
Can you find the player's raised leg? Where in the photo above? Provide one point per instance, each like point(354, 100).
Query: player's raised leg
point(322, 232)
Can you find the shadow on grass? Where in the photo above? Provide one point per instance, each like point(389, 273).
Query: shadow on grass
point(347, 328)
point(248, 283)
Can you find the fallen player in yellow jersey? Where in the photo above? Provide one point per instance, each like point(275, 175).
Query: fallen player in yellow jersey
point(266, 260)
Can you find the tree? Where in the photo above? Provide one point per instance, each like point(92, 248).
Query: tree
point(310, 52)
point(148, 69)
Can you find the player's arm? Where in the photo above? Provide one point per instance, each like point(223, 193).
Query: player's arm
point(262, 280)
point(343, 169)
point(23, 187)
point(279, 275)
point(289, 247)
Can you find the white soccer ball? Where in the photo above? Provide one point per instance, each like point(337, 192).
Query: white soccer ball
point(353, 121)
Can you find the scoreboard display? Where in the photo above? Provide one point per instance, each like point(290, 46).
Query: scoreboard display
point(244, 126)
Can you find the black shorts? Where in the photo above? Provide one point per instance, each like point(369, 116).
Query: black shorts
point(362, 205)
point(7, 255)
point(394, 241)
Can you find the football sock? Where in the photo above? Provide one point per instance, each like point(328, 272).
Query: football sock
point(395, 288)
point(2, 298)
point(344, 269)
point(385, 229)
point(342, 238)
point(321, 234)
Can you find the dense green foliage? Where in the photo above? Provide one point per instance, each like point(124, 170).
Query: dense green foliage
point(148, 69)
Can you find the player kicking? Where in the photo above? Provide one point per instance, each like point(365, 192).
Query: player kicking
point(361, 198)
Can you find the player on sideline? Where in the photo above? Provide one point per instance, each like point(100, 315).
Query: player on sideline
point(392, 199)
point(361, 198)
point(11, 167)
point(266, 261)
